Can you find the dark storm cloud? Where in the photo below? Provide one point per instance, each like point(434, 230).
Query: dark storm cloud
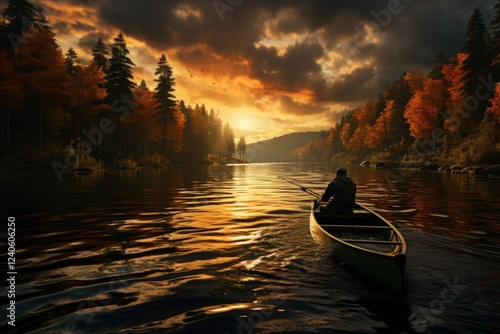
point(89, 41)
point(294, 70)
point(409, 35)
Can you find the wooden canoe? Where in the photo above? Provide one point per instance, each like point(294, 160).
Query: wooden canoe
point(365, 241)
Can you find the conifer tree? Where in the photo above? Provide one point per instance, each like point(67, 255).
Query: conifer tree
point(119, 77)
point(441, 60)
point(71, 61)
point(101, 54)
point(476, 66)
point(20, 14)
point(242, 147)
point(143, 85)
point(494, 42)
point(165, 100)
point(119, 83)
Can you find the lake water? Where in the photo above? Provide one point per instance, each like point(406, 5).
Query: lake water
point(227, 250)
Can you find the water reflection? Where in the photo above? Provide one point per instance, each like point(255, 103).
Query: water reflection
point(228, 248)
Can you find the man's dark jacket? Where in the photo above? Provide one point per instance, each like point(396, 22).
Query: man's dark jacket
point(343, 189)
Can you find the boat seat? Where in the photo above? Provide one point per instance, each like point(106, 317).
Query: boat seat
point(363, 227)
point(382, 242)
point(357, 214)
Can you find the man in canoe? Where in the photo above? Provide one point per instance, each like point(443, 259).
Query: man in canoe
point(340, 194)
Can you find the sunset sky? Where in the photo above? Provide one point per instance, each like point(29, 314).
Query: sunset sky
point(271, 67)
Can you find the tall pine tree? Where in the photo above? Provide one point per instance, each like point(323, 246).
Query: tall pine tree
point(101, 54)
point(20, 14)
point(441, 60)
point(165, 100)
point(119, 84)
point(476, 66)
point(71, 61)
point(494, 42)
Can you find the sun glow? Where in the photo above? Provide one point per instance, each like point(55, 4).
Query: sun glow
point(245, 124)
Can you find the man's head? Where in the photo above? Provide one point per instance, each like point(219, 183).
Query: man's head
point(341, 171)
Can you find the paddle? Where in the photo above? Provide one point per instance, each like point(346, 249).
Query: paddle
point(307, 190)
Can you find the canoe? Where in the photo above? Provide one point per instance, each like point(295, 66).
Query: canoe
point(366, 242)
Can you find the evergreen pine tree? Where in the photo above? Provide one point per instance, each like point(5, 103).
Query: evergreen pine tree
point(400, 93)
point(494, 43)
point(242, 148)
point(143, 86)
point(165, 100)
point(441, 60)
point(20, 14)
point(119, 83)
point(119, 76)
point(100, 54)
point(476, 65)
point(71, 61)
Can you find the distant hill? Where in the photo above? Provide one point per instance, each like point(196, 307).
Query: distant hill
point(280, 149)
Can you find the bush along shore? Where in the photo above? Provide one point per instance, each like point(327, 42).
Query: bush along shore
point(492, 171)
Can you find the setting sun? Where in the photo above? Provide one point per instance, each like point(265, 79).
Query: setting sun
point(245, 124)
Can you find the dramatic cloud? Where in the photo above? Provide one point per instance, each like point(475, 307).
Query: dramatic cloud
point(303, 63)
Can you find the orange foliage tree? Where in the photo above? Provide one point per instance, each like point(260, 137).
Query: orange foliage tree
point(425, 109)
point(495, 103)
point(378, 133)
point(10, 93)
point(85, 88)
point(41, 69)
point(453, 75)
point(415, 80)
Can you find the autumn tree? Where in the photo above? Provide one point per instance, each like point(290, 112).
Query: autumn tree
point(384, 126)
point(144, 133)
point(10, 94)
point(453, 74)
point(425, 109)
point(165, 100)
point(85, 89)
point(415, 81)
point(494, 109)
point(41, 69)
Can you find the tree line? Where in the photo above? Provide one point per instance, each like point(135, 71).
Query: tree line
point(452, 113)
point(53, 104)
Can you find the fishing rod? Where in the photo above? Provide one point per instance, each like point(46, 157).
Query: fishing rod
point(307, 190)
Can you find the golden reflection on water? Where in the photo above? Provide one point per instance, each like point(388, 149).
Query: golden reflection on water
point(184, 244)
